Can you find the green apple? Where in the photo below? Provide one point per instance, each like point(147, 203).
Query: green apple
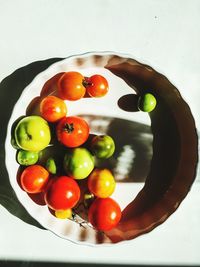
point(32, 133)
point(78, 163)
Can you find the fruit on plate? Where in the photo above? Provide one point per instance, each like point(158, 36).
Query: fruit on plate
point(70, 86)
point(32, 133)
point(62, 193)
point(53, 108)
point(34, 179)
point(101, 183)
point(63, 214)
point(27, 158)
point(103, 146)
point(147, 102)
point(78, 163)
point(72, 131)
point(104, 214)
point(96, 85)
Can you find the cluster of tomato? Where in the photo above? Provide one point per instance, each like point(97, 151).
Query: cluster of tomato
point(62, 191)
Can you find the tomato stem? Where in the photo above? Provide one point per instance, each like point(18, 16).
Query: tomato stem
point(86, 82)
point(69, 127)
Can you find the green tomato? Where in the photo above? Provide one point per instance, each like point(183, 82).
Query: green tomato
point(103, 146)
point(27, 158)
point(78, 163)
point(51, 165)
point(32, 133)
point(147, 102)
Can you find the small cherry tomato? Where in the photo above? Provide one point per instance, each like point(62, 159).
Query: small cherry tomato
point(27, 158)
point(63, 214)
point(103, 146)
point(72, 131)
point(147, 102)
point(70, 86)
point(34, 179)
point(62, 193)
point(101, 183)
point(53, 108)
point(104, 214)
point(96, 85)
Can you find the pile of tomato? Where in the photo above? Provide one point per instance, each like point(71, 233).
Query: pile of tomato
point(59, 179)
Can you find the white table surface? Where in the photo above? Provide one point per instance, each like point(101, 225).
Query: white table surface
point(163, 34)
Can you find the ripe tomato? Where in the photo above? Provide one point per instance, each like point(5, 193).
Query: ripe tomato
point(34, 178)
point(53, 108)
point(101, 183)
point(62, 193)
point(104, 214)
point(96, 86)
point(70, 86)
point(72, 131)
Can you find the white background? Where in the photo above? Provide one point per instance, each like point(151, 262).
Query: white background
point(164, 34)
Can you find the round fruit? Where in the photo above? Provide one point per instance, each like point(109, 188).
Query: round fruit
point(53, 108)
point(70, 86)
point(62, 193)
point(27, 158)
point(34, 179)
point(96, 86)
point(72, 131)
point(32, 133)
point(63, 214)
point(51, 165)
point(78, 163)
point(101, 183)
point(103, 146)
point(147, 102)
point(104, 214)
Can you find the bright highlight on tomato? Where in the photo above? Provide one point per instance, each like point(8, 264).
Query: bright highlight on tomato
point(34, 179)
point(53, 108)
point(70, 86)
point(101, 183)
point(104, 214)
point(72, 131)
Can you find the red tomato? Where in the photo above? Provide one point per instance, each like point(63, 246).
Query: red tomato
point(96, 86)
point(34, 178)
point(70, 86)
point(72, 131)
point(104, 214)
point(62, 193)
point(53, 108)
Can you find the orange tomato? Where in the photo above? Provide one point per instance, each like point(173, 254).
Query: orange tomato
point(104, 214)
point(53, 108)
point(70, 86)
point(101, 183)
point(34, 179)
point(96, 85)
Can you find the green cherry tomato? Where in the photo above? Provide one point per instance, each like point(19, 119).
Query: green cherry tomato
point(103, 146)
point(78, 163)
point(27, 158)
point(51, 165)
point(147, 102)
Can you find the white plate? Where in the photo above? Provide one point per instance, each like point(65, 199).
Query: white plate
point(99, 113)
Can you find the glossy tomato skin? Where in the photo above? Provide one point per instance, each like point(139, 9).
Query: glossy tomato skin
point(53, 108)
point(101, 183)
point(104, 214)
point(72, 131)
point(34, 179)
point(62, 193)
point(97, 86)
point(70, 86)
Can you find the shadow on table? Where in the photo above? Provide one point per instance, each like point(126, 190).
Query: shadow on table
point(130, 162)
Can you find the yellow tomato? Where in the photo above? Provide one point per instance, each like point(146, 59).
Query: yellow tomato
point(63, 214)
point(101, 183)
